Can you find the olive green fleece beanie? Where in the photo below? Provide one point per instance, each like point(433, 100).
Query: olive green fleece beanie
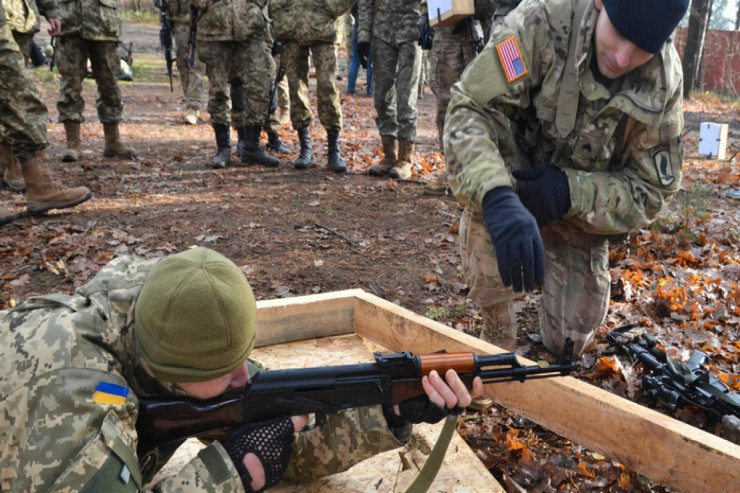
point(195, 317)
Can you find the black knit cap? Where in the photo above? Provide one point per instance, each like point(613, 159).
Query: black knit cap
point(647, 23)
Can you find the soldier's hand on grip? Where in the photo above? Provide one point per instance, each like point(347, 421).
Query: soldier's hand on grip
point(547, 195)
point(363, 52)
point(516, 237)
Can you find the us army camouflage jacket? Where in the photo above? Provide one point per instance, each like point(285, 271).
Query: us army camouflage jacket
point(97, 20)
point(623, 159)
point(393, 21)
point(23, 16)
point(307, 21)
point(232, 20)
point(58, 434)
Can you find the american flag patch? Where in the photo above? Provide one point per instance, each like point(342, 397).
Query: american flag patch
point(511, 59)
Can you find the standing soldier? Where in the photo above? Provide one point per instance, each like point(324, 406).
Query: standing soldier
point(304, 26)
point(393, 28)
point(452, 51)
point(191, 77)
point(23, 126)
point(91, 30)
point(24, 20)
point(232, 41)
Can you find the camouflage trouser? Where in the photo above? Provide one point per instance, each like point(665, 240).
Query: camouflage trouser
point(106, 65)
point(22, 114)
point(273, 119)
point(295, 58)
point(246, 64)
point(23, 40)
point(575, 297)
point(396, 69)
point(192, 79)
point(451, 53)
point(424, 71)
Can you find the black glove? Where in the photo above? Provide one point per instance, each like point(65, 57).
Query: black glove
point(547, 196)
point(363, 52)
point(417, 410)
point(513, 229)
point(271, 441)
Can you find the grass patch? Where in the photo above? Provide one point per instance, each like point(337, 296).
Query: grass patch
point(140, 17)
point(437, 312)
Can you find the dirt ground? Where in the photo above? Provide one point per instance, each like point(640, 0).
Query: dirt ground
point(291, 232)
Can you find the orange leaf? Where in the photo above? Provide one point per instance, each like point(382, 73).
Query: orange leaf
point(584, 471)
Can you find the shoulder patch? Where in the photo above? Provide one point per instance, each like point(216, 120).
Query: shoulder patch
point(663, 167)
point(110, 394)
point(511, 59)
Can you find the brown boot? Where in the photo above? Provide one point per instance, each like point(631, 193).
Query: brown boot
point(6, 216)
point(402, 169)
point(45, 192)
point(499, 325)
point(113, 146)
point(437, 187)
point(72, 131)
point(12, 174)
point(390, 148)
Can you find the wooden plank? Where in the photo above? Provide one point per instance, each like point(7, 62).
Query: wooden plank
point(305, 317)
point(666, 450)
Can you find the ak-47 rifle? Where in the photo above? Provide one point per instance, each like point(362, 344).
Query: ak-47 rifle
point(165, 36)
point(273, 94)
point(193, 33)
point(392, 379)
point(673, 384)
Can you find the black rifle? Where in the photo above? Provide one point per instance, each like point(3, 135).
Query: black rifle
point(192, 34)
point(273, 94)
point(475, 35)
point(165, 38)
point(392, 379)
point(53, 53)
point(673, 384)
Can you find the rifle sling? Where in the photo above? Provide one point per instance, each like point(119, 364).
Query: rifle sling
point(427, 474)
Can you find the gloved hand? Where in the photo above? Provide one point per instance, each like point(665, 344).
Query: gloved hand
point(417, 410)
point(547, 196)
point(363, 52)
point(271, 441)
point(513, 229)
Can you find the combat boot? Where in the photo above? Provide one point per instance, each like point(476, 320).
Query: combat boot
point(239, 140)
point(253, 152)
point(6, 216)
point(114, 148)
point(402, 169)
point(12, 174)
point(437, 187)
point(72, 131)
point(390, 148)
point(306, 158)
point(499, 325)
point(336, 163)
point(44, 192)
point(223, 143)
point(274, 143)
point(191, 115)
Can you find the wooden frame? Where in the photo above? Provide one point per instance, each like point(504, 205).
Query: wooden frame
point(668, 451)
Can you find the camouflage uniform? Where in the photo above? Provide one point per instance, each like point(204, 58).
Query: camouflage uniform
point(232, 41)
point(24, 19)
point(392, 27)
point(56, 436)
point(22, 114)
point(623, 161)
point(303, 27)
point(192, 79)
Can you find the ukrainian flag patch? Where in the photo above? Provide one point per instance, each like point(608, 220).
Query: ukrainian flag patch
point(110, 393)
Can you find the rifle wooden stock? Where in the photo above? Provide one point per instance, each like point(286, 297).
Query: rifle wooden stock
point(392, 379)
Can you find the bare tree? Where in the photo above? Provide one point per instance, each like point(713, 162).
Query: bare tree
point(695, 37)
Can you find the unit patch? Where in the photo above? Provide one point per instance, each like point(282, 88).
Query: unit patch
point(662, 161)
point(511, 59)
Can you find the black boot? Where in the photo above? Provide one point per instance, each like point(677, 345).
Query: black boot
point(274, 143)
point(223, 141)
point(336, 163)
point(253, 153)
point(306, 158)
point(240, 141)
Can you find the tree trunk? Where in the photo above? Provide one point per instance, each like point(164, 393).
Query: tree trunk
point(695, 37)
